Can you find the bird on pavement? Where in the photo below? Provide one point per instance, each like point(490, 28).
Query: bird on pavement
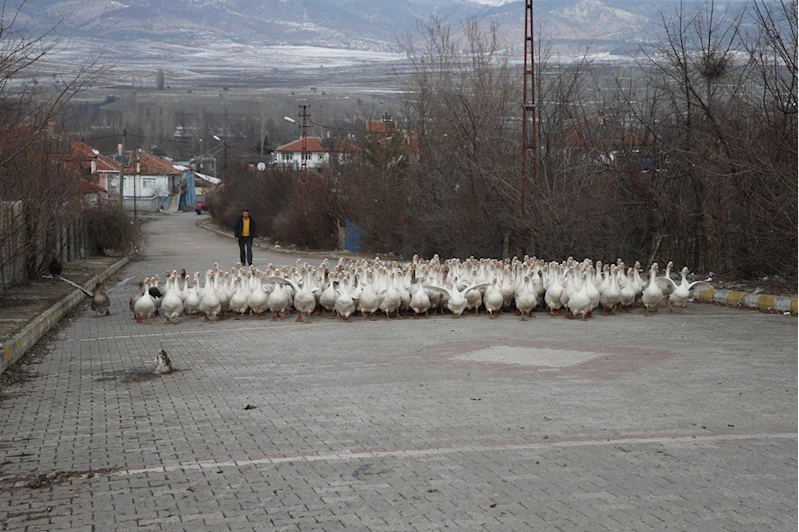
point(100, 300)
point(55, 267)
point(163, 364)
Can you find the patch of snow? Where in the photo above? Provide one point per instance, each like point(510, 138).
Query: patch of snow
point(208, 178)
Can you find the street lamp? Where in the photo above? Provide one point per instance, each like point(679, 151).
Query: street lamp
point(289, 119)
point(201, 156)
point(224, 164)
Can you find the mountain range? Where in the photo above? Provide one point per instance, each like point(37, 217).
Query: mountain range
point(355, 24)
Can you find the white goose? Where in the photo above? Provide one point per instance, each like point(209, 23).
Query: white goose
point(526, 297)
point(652, 297)
point(192, 304)
point(507, 288)
point(554, 292)
point(257, 300)
point(304, 297)
point(277, 302)
point(155, 293)
point(171, 304)
point(680, 293)
point(580, 301)
point(134, 298)
point(404, 288)
point(474, 298)
point(420, 300)
point(238, 301)
point(369, 299)
point(210, 305)
point(610, 296)
point(145, 306)
point(344, 305)
point(391, 299)
point(327, 300)
point(183, 289)
point(593, 291)
point(456, 302)
point(493, 299)
point(627, 294)
point(221, 293)
point(666, 283)
point(436, 297)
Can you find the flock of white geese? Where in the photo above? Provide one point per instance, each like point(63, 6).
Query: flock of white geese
point(376, 287)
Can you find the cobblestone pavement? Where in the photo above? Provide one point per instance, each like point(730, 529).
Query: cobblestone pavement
point(618, 423)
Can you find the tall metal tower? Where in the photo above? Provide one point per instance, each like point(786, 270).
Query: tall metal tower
point(304, 128)
point(529, 129)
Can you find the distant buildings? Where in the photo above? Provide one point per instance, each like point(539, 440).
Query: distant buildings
point(151, 181)
point(318, 152)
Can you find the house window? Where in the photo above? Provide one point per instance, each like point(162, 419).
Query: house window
point(286, 156)
point(148, 182)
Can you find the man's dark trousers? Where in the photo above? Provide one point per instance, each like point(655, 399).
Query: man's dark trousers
point(245, 242)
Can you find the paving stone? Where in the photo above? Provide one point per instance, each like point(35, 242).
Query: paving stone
point(686, 422)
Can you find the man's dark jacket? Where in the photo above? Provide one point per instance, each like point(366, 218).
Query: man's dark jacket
point(240, 225)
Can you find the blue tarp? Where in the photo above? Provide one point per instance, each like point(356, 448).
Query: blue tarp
point(353, 239)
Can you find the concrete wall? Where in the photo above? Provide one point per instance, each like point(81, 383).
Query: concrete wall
point(144, 205)
point(18, 246)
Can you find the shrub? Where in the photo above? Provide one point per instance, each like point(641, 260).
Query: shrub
point(111, 231)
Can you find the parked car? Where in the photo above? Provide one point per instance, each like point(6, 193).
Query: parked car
point(203, 207)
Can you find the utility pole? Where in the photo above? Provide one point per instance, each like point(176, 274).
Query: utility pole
point(529, 136)
point(224, 164)
point(263, 133)
point(122, 170)
point(304, 156)
point(136, 178)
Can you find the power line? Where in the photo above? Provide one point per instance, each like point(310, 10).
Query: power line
point(114, 136)
point(454, 10)
point(147, 137)
point(333, 127)
point(477, 20)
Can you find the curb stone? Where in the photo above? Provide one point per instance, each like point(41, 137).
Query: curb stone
point(753, 301)
point(20, 343)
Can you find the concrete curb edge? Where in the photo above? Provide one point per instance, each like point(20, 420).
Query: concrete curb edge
point(21, 342)
point(754, 301)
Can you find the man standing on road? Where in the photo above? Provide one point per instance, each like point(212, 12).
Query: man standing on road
point(184, 196)
point(244, 231)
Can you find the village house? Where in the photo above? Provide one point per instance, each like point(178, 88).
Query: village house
point(390, 142)
point(92, 165)
point(318, 152)
point(151, 183)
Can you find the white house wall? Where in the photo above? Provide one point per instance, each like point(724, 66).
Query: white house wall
point(315, 159)
point(162, 186)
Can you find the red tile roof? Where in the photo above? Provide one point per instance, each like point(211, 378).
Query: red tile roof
point(85, 154)
point(314, 145)
point(592, 130)
point(376, 126)
point(152, 165)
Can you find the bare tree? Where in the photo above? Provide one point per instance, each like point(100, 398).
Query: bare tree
point(43, 189)
point(464, 191)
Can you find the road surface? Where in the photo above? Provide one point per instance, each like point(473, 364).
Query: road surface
point(617, 423)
